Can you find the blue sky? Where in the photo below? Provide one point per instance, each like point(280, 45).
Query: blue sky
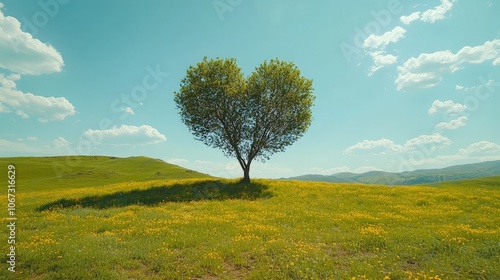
point(399, 85)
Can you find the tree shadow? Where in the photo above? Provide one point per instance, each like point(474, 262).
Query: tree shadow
point(184, 192)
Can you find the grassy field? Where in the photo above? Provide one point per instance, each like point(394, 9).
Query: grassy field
point(484, 182)
point(206, 228)
point(56, 173)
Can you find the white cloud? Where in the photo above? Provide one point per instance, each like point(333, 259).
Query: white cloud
point(488, 51)
point(476, 152)
point(438, 12)
point(448, 107)
point(380, 42)
point(384, 146)
point(128, 110)
point(436, 141)
point(453, 124)
point(489, 84)
point(428, 68)
point(23, 54)
point(126, 135)
point(23, 115)
point(409, 18)
point(27, 104)
point(450, 160)
point(334, 170)
point(20, 53)
point(329, 171)
point(466, 89)
point(377, 44)
point(381, 60)
point(32, 138)
point(419, 80)
point(177, 161)
point(380, 146)
point(60, 142)
point(481, 147)
point(431, 15)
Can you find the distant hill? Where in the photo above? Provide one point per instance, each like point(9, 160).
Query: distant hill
point(86, 171)
point(492, 182)
point(423, 176)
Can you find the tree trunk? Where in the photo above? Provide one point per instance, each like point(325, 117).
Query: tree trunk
point(246, 174)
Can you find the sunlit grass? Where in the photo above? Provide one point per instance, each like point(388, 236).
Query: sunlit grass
point(69, 172)
point(270, 230)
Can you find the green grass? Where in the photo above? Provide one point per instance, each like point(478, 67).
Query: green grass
point(208, 228)
point(54, 173)
point(484, 182)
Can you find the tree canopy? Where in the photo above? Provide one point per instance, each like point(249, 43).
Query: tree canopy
point(247, 118)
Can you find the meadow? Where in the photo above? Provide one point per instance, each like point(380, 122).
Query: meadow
point(209, 228)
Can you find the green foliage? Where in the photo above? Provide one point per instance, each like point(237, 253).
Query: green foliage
point(211, 103)
point(246, 118)
point(279, 107)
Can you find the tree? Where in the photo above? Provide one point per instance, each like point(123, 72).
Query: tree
point(247, 118)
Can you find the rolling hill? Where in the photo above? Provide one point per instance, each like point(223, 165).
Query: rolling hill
point(482, 182)
point(84, 171)
point(423, 176)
